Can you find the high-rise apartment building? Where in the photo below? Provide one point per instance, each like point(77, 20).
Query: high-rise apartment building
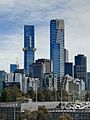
point(57, 46)
point(28, 47)
point(80, 68)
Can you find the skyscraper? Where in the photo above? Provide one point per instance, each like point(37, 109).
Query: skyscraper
point(28, 47)
point(69, 69)
point(13, 67)
point(57, 46)
point(39, 68)
point(80, 68)
point(66, 55)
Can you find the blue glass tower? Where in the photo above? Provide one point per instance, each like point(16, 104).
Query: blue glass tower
point(69, 69)
point(13, 68)
point(80, 68)
point(57, 46)
point(28, 47)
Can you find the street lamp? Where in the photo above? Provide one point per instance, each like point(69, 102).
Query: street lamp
point(36, 87)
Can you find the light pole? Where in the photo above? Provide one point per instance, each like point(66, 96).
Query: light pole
point(36, 88)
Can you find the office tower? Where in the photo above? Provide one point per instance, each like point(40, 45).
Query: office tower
point(69, 69)
point(13, 68)
point(66, 55)
point(3, 77)
point(88, 81)
point(57, 46)
point(50, 81)
point(80, 68)
point(28, 47)
point(47, 63)
point(39, 68)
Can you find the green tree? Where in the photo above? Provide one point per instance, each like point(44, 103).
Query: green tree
point(47, 94)
point(65, 117)
point(2, 116)
point(40, 114)
point(45, 111)
point(87, 96)
point(31, 94)
point(40, 96)
point(25, 115)
point(64, 95)
point(17, 91)
point(10, 94)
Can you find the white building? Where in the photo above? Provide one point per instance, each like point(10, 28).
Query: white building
point(33, 83)
point(10, 77)
point(50, 81)
point(72, 86)
point(25, 84)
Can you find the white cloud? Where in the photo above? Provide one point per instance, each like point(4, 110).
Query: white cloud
point(14, 14)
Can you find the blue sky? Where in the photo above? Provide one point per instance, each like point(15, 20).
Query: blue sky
point(14, 14)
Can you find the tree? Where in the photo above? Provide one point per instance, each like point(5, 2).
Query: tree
point(2, 116)
point(47, 94)
point(31, 94)
point(25, 115)
point(40, 96)
point(45, 111)
point(10, 94)
point(17, 91)
point(65, 117)
point(40, 114)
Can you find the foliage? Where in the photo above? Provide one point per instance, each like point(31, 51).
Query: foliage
point(66, 117)
point(40, 114)
point(2, 116)
point(10, 94)
point(31, 94)
point(25, 115)
point(47, 95)
point(87, 96)
point(40, 96)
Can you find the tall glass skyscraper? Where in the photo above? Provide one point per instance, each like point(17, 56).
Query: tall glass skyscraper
point(80, 68)
point(28, 47)
point(57, 46)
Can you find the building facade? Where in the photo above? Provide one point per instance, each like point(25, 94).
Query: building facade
point(69, 69)
point(39, 68)
point(50, 81)
point(57, 46)
point(28, 47)
point(80, 68)
point(13, 67)
point(66, 58)
point(88, 81)
point(10, 110)
point(3, 77)
point(47, 63)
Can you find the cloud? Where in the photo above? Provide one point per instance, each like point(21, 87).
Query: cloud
point(14, 14)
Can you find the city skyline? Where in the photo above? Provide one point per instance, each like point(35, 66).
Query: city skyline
point(14, 15)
